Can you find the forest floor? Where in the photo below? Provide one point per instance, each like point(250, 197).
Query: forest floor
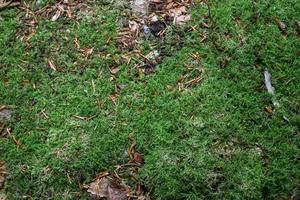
point(180, 112)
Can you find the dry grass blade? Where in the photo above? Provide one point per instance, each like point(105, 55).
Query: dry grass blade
point(84, 118)
point(51, 64)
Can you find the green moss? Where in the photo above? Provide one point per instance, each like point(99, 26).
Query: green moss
point(211, 141)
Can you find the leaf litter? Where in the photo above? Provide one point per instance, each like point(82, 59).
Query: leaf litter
point(115, 185)
point(150, 18)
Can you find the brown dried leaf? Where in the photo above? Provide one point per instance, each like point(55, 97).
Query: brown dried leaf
point(107, 188)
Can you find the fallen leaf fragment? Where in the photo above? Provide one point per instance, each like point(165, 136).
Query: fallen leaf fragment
point(108, 188)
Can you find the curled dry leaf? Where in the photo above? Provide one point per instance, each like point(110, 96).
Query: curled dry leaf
point(108, 188)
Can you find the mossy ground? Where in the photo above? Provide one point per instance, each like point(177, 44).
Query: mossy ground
point(214, 140)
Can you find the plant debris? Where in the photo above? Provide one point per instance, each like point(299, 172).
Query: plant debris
point(30, 20)
point(106, 187)
point(114, 186)
point(150, 17)
point(193, 74)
